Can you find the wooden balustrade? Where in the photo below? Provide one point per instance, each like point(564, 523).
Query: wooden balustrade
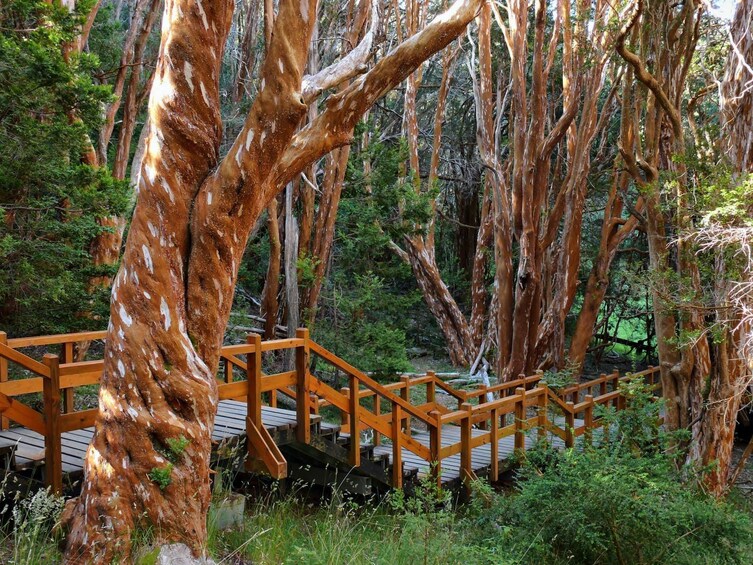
point(567, 415)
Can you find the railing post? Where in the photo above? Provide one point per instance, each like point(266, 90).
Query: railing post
point(228, 371)
point(520, 415)
point(405, 394)
point(615, 386)
point(603, 384)
point(570, 425)
point(494, 432)
point(355, 431)
point(253, 395)
point(435, 447)
point(481, 400)
point(66, 351)
point(466, 425)
point(377, 413)
point(253, 377)
point(397, 447)
point(4, 422)
point(344, 414)
point(53, 451)
point(589, 420)
point(543, 415)
point(431, 388)
point(302, 393)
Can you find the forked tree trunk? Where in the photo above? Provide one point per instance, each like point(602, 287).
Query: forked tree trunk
point(172, 297)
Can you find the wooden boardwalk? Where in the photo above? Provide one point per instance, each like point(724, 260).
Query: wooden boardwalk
point(387, 435)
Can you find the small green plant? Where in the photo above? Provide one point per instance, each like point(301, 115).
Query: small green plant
point(161, 476)
point(177, 445)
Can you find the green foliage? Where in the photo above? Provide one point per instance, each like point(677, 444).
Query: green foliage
point(359, 331)
point(177, 446)
point(623, 501)
point(35, 531)
point(161, 476)
point(49, 201)
point(608, 506)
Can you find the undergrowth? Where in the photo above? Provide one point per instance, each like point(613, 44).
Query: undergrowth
point(624, 501)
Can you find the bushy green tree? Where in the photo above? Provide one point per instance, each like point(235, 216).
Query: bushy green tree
point(49, 201)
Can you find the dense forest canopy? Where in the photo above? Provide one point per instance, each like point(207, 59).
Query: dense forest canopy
point(495, 188)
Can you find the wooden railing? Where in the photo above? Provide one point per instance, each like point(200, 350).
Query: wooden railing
point(390, 411)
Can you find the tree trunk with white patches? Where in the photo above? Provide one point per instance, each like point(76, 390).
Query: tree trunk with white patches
point(172, 297)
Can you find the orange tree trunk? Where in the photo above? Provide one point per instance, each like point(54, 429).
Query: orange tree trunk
point(172, 296)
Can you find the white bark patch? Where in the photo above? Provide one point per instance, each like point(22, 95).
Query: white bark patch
point(281, 65)
point(188, 73)
point(219, 291)
point(249, 138)
point(263, 136)
point(127, 320)
point(147, 295)
point(163, 92)
point(204, 94)
point(209, 198)
point(151, 173)
point(240, 209)
point(147, 259)
point(203, 14)
point(133, 413)
point(95, 459)
point(168, 190)
point(238, 155)
point(121, 369)
point(152, 229)
point(263, 84)
point(165, 311)
point(305, 11)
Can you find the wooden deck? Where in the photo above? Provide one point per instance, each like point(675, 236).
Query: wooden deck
point(481, 456)
point(387, 434)
point(24, 449)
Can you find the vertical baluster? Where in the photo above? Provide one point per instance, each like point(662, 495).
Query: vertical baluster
point(397, 447)
point(53, 451)
point(589, 419)
point(520, 416)
point(494, 433)
point(466, 466)
point(302, 392)
point(569, 425)
point(66, 356)
point(543, 415)
point(253, 393)
point(431, 388)
point(405, 394)
point(355, 432)
point(228, 371)
point(344, 414)
point(377, 413)
point(435, 446)
point(4, 422)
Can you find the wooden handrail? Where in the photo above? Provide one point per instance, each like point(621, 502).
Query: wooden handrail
point(57, 339)
point(24, 360)
point(371, 383)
